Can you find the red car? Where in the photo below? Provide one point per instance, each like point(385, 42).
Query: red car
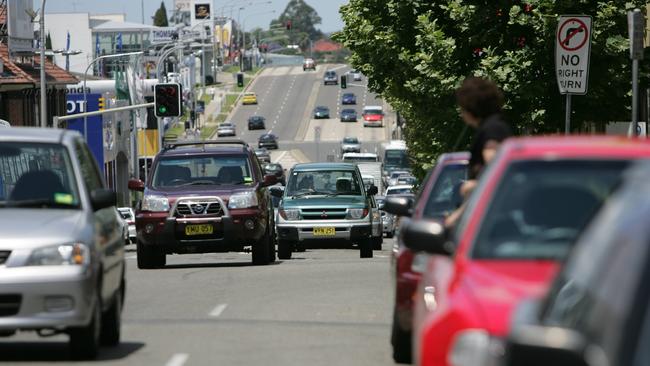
point(520, 222)
point(438, 197)
point(373, 116)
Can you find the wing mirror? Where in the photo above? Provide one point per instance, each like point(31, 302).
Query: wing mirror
point(270, 180)
point(102, 198)
point(427, 236)
point(277, 191)
point(372, 190)
point(400, 206)
point(136, 185)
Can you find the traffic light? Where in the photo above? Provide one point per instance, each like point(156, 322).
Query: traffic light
point(102, 103)
point(288, 25)
point(344, 81)
point(240, 80)
point(167, 100)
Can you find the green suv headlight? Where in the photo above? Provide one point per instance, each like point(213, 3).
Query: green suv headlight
point(290, 215)
point(357, 213)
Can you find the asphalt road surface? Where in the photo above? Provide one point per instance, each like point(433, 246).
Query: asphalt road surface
point(323, 307)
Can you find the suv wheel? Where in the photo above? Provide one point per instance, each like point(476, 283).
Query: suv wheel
point(285, 248)
point(84, 341)
point(376, 242)
point(401, 341)
point(112, 320)
point(261, 250)
point(365, 248)
point(148, 258)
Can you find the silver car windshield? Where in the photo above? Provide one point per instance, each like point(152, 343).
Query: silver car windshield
point(36, 175)
point(326, 182)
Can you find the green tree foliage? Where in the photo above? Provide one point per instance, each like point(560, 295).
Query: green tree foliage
point(303, 20)
point(160, 17)
point(48, 45)
point(415, 53)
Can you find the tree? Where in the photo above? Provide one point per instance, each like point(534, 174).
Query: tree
point(303, 19)
point(415, 53)
point(48, 44)
point(160, 17)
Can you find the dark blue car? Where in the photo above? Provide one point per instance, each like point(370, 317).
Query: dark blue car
point(349, 98)
point(348, 115)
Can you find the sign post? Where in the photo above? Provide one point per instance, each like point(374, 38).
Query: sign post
point(572, 51)
point(636, 29)
point(317, 131)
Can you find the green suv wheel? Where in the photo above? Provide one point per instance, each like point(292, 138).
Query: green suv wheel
point(285, 248)
point(365, 248)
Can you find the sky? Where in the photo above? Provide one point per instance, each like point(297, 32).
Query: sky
point(327, 9)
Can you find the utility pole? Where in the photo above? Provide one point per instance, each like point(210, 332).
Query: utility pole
point(41, 23)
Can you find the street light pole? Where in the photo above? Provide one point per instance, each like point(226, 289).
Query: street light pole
point(41, 23)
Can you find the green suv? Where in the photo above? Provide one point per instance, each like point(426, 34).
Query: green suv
point(325, 203)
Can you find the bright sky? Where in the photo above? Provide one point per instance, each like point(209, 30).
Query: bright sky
point(327, 9)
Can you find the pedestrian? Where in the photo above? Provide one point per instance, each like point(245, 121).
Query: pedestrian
point(481, 102)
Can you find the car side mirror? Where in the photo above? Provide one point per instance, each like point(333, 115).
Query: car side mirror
point(102, 198)
point(276, 192)
point(427, 236)
point(372, 190)
point(136, 185)
point(270, 180)
point(534, 345)
point(400, 206)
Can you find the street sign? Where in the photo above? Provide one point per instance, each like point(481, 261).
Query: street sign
point(636, 31)
point(572, 51)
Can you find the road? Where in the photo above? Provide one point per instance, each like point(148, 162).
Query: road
point(323, 307)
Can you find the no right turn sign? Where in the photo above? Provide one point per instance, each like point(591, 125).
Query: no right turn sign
point(572, 51)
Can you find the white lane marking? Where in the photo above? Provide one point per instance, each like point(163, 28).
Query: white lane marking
point(218, 310)
point(132, 257)
point(178, 359)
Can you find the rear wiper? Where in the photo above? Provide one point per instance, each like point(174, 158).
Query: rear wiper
point(39, 203)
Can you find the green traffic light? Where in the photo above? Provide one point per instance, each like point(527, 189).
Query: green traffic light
point(162, 109)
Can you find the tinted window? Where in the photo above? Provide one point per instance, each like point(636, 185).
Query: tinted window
point(540, 207)
point(324, 182)
point(445, 194)
point(89, 170)
point(350, 140)
point(202, 170)
point(396, 159)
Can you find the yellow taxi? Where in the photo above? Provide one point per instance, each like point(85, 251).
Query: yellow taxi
point(249, 98)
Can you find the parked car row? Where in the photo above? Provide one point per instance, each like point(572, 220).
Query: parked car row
point(457, 291)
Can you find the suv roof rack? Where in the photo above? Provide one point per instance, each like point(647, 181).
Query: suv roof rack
point(174, 144)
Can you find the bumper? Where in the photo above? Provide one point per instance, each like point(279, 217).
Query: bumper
point(46, 297)
point(225, 133)
point(348, 230)
point(229, 232)
point(348, 119)
point(373, 124)
point(388, 227)
point(268, 145)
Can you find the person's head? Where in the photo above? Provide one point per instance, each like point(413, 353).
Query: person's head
point(478, 99)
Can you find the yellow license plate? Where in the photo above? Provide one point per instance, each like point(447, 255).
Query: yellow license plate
point(198, 229)
point(324, 231)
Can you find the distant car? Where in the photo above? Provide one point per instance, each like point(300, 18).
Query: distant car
point(226, 129)
point(348, 115)
point(263, 155)
point(321, 111)
point(406, 180)
point(268, 140)
point(350, 144)
point(128, 215)
point(399, 190)
point(349, 98)
point(249, 98)
point(4, 123)
point(391, 180)
point(277, 170)
point(373, 116)
point(256, 123)
point(355, 74)
point(309, 64)
point(330, 77)
point(351, 157)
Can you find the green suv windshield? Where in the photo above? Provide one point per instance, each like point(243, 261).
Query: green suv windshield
point(329, 182)
point(36, 175)
point(202, 170)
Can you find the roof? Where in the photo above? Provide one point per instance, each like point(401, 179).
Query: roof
point(40, 135)
point(454, 157)
point(209, 150)
point(575, 146)
point(28, 73)
point(12, 73)
point(324, 166)
point(399, 186)
point(112, 26)
point(359, 155)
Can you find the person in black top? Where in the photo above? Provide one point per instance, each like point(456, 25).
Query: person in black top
point(480, 102)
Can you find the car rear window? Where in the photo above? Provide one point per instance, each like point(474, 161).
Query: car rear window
point(540, 207)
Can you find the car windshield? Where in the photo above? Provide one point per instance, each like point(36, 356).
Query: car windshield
point(350, 140)
point(349, 111)
point(271, 167)
point(349, 159)
point(324, 182)
point(256, 118)
point(202, 170)
point(541, 206)
point(37, 175)
point(396, 159)
point(267, 137)
point(321, 108)
point(372, 111)
point(445, 195)
point(392, 191)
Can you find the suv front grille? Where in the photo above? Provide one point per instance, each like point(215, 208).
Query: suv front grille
point(9, 304)
point(324, 213)
point(4, 254)
point(199, 209)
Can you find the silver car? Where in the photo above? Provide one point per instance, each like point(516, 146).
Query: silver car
point(350, 144)
point(61, 249)
point(128, 215)
point(226, 129)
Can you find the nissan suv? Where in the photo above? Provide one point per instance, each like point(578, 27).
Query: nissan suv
point(205, 197)
point(325, 203)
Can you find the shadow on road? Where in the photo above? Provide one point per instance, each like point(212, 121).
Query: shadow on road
point(59, 351)
point(216, 265)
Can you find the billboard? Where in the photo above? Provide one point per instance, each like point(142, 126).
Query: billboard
point(21, 31)
point(75, 104)
point(201, 11)
point(163, 35)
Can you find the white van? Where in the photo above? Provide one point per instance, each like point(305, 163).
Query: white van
point(359, 157)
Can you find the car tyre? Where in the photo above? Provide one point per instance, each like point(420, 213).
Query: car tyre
point(285, 249)
point(112, 320)
point(84, 341)
point(390, 234)
point(377, 242)
point(148, 258)
point(365, 248)
point(261, 250)
point(401, 341)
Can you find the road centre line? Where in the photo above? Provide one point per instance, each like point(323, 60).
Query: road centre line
point(218, 310)
point(178, 359)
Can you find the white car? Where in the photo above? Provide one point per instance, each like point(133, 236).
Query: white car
point(399, 189)
point(226, 129)
point(355, 74)
point(128, 215)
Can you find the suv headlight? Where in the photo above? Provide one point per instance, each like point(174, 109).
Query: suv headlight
point(475, 347)
point(58, 255)
point(155, 203)
point(357, 213)
point(290, 215)
point(243, 200)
